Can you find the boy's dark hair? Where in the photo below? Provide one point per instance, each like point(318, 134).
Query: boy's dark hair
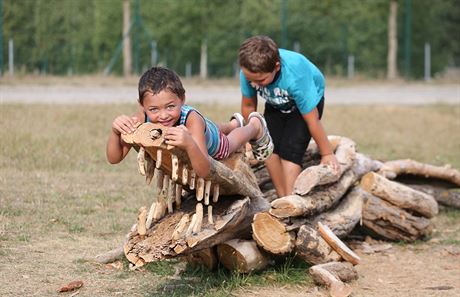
point(157, 79)
point(259, 54)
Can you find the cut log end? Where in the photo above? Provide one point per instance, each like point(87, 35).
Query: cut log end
point(241, 255)
point(271, 234)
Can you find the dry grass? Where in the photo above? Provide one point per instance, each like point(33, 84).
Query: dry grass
point(61, 202)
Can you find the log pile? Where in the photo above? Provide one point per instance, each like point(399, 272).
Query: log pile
point(234, 217)
point(188, 213)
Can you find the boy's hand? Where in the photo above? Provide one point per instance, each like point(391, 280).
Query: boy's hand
point(178, 136)
point(124, 124)
point(331, 160)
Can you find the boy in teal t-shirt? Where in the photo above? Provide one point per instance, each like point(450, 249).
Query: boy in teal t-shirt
point(293, 89)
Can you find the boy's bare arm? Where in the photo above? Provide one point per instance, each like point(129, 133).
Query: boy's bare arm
point(248, 105)
point(191, 138)
point(319, 135)
point(117, 149)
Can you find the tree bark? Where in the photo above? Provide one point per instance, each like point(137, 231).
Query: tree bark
point(317, 201)
point(342, 219)
point(322, 174)
point(392, 169)
point(446, 197)
point(393, 223)
point(400, 195)
point(312, 248)
point(233, 219)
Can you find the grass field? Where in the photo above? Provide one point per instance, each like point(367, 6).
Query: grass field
point(62, 203)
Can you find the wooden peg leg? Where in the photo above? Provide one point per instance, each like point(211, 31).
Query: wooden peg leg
point(215, 195)
point(184, 175)
point(192, 179)
point(171, 195)
point(141, 161)
point(210, 218)
point(199, 218)
point(175, 167)
point(159, 156)
point(178, 197)
point(207, 190)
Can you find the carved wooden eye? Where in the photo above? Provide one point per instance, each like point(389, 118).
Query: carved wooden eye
point(155, 133)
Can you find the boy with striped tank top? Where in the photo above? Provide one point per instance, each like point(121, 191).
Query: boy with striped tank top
point(162, 100)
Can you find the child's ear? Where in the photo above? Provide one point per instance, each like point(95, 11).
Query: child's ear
point(277, 66)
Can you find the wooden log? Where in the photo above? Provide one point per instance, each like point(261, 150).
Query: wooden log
point(233, 218)
point(206, 257)
point(233, 174)
point(271, 234)
point(242, 256)
point(328, 275)
point(323, 174)
point(338, 245)
point(312, 248)
point(323, 198)
point(343, 271)
point(395, 168)
point(342, 219)
point(316, 201)
point(400, 195)
point(314, 176)
point(446, 197)
point(393, 223)
point(364, 164)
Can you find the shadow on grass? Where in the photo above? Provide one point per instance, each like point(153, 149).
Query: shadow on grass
point(200, 281)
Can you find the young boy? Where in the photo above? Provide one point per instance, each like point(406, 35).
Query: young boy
point(161, 100)
point(293, 89)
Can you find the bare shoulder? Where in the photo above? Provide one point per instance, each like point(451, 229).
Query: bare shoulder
point(195, 120)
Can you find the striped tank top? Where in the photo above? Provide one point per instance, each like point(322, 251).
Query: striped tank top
point(211, 131)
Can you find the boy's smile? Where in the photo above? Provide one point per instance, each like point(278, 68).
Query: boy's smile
point(163, 108)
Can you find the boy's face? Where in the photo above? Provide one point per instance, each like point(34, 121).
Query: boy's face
point(163, 108)
point(261, 79)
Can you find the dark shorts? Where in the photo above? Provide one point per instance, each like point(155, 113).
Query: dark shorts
point(289, 132)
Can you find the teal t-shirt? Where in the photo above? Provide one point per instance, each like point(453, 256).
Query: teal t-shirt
point(299, 84)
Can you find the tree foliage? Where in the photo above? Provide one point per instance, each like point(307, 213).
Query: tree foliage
point(78, 37)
